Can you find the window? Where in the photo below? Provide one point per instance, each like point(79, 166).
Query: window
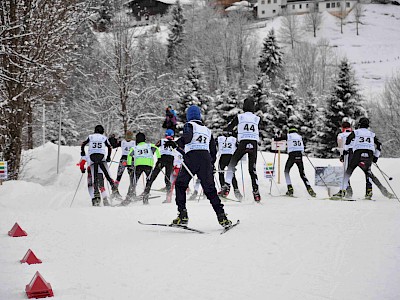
point(275, 1)
point(307, 5)
point(274, 11)
point(347, 4)
point(293, 6)
point(338, 4)
point(333, 5)
point(269, 1)
point(328, 5)
point(263, 2)
point(263, 12)
point(300, 6)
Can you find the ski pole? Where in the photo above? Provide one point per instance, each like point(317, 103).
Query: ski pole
point(273, 168)
point(376, 165)
point(383, 173)
point(241, 170)
point(316, 171)
point(272, 177)
point(76, 190)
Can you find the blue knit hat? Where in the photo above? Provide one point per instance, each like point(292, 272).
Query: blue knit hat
point(193, 113)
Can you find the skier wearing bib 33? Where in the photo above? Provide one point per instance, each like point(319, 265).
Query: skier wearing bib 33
point(248, 137)
point(97, 151)
point(366, 149)
point(200, 155)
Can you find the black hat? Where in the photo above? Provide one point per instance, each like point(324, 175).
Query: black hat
point(99, 129)
point(140, 138)
point(248, 105)
point(363, 122)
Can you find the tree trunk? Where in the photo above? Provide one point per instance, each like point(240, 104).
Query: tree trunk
point(30, 128)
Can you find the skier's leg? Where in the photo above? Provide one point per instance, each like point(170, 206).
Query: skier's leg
point(153, 176)
point(222, 164)
point(252, 155)
point(300, 166)
point(239, 152)
point(181, 185)
point(90, 182)
point(289, 164)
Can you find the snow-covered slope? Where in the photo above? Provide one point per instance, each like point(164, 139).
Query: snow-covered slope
point(284, 248)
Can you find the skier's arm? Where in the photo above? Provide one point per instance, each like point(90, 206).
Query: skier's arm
point(130, 157)
point(186, 137)
point(158, 144)
point(155, 150)
point(378, 148)
point(232, 125)
point(83, 147)
point(351, 137)
point(109, 150)
point(213, 150)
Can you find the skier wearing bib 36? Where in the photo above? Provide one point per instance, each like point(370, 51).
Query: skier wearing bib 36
point(295, 150)
point(248, 137)
point(200, 155)
point(165, 161)
point(97, 151)
point(364, 152)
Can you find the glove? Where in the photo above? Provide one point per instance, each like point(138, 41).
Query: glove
point(108, 159)
point(345, 152)
point(171, 144)
point(124, 163)
point(375, 159)
point(83, 154)
point(82, 165)
point(341, 158)
point(259, 143)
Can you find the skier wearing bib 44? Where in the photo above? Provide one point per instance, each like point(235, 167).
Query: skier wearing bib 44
point(126, 145)
point(295, 150)
point(226, 148)
point(199, 157)
point(248, 137)
point(97, 151)
point(364, 153)
point(165, 161)
point(142, 154)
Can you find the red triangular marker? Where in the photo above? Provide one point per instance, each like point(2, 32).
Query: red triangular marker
point(30, 258)
point(16, 231)
point(38, 287)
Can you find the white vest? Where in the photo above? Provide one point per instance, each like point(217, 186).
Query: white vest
point(165, 150)
point(143, 151)
point(364, 139)
point(178, 159)
point(342, 137)
point(201, 138)
point(97, 143)
point(126, 146)
point(248, 127)
point(226, 145)
point(295, 142)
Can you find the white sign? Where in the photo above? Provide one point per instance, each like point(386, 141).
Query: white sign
point(278, 145)
point(332, 176)
point(3, 170)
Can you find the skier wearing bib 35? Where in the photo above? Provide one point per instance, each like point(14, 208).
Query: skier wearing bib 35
point(364, 152)
point(248, 137)
point(200, 155)
point(295, 150)
point(97, 151)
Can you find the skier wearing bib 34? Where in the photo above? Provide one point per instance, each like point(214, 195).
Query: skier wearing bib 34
point(248, 137)
point(97, 151)
point(200, 155)
point(366, 149)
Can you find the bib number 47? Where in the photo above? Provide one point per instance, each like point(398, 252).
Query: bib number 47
point(202, 139)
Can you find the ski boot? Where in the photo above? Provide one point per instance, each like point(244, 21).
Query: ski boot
point(182, 218)
point(105, 202)
point(390, 195)
point(224, 190)
point(289, 190)
point(256, 195)
point(238, 195)
point(349, 192)
point(223, 220)
point(145, 198)
point(368, 194)
point(311, 191)
point(96, 201)
point(193, 196)
point(340, 195)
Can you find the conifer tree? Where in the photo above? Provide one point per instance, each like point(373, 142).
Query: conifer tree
point(343, 101)
point(175, 36)
point(308, 112)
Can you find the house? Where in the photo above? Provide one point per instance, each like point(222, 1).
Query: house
point(272, 8)
point(144, 10)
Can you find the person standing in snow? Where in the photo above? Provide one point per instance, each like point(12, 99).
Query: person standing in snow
point(126, 145)
point(97, 151)
point(295, 149)
point(366, 150)
point(248, 137)
point(200, 151)
point(170, 119)
point(226, 148)
point(140, 160)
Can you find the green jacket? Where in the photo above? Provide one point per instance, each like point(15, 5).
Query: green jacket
point(142, 154)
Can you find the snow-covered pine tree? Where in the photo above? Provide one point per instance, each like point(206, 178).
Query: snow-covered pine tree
point(270, 62)
point(175, 36)
point(105, 15)
point(344, 101)
point(308, 111)
point(192, 91)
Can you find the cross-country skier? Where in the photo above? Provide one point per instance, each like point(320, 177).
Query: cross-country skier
point(103, 190)
point(200, 151)
point(165, 161)
point(366, 149)
point(126, 145)
point(97, 151)
point(143, 156)
point(295, 149)
point(341, 140)
point(226, 148)
point(248, 137)
point(178, 159)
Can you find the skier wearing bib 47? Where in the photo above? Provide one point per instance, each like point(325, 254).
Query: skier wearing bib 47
point(295, 150)
point(97, 151)
point(364, 152)
point(165, 161)
point(126, 145)
point(248, 137)
point(199, 157)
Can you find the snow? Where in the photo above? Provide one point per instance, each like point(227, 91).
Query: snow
point(286, 248)
point(374, 54)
